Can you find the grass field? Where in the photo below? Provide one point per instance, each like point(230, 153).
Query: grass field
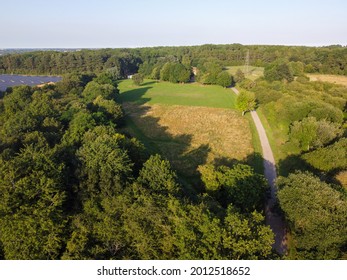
point(253, 72)
point(336, 79)
point(194, 94)
point(190, 136)
point(189, 124)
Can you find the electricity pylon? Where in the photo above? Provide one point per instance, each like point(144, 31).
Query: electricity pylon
point(246, 68)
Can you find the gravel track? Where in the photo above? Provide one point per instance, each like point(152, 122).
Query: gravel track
point(273, 218)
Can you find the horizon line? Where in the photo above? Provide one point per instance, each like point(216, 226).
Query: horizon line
point(162, 46)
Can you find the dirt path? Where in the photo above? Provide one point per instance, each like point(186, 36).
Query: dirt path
point(273, 219)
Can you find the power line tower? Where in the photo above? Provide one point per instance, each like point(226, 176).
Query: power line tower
point(246, 67)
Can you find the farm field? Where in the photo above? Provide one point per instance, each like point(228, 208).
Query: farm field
point(188, 136)
point(194, 94)
point(336, 79)
point(254, 72)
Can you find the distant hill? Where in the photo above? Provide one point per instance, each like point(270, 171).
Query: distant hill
point(12, 51)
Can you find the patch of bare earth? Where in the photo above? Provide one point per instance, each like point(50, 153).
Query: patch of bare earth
point(191, 136)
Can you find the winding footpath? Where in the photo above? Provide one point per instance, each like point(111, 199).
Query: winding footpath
point(273, 219)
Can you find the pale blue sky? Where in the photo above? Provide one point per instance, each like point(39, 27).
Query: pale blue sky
point(125, 23)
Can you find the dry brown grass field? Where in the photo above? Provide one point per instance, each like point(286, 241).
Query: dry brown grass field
point(191, 136)
point(342, 178)
point(336, 79)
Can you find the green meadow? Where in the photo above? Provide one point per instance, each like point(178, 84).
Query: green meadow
point(192, 94)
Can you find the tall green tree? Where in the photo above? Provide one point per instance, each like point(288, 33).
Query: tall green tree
point(137, 79)
point(316, 213)
point(105, 166)
point(157, 175)
point(32, 194)
point(94, 89)
point(238, 185)
point(310, 133)
point(224, 79)
point(246, 101)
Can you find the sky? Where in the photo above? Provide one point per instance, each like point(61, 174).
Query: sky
point(136, 23)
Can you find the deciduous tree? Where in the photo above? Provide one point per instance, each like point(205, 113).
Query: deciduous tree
point(316, 214)
point(137, 79)
point(246, 101)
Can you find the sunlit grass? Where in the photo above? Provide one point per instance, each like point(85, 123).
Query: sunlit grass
point(191, 94)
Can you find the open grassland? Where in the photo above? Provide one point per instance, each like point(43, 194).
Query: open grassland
point(190, 136)
point(193, 94)
point(253, 72)
point(335, 79)
point(342, 178)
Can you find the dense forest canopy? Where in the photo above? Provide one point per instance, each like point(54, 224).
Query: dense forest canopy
point(73, 187)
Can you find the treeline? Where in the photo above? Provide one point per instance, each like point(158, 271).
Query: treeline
point(176, 72)
point(330, 60)
point(73, 187)
point(119, 61)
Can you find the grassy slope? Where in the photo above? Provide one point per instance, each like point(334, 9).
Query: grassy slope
point(194, 94)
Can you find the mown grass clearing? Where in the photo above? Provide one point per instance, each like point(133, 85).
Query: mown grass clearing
point(253, 71)
point(193, 94)
point(335, 79)
point(190, 136)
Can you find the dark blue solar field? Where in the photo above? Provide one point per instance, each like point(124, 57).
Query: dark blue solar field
point(17, 80)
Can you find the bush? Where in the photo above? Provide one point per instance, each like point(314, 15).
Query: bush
point(329, 158)
point(316, 214)
point(224, 79)
point(137, 79)
point(310, 133)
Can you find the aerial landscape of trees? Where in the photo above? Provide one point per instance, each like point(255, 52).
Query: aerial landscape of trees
point(74, 184)
point(82, 190)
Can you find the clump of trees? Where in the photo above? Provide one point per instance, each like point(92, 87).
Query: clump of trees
point(175, 73)
point(329, 158)
point(181, 72)
point(211, 73)
point(310, 133)
point(316, 215)
point(238, 185)
point(278, 72)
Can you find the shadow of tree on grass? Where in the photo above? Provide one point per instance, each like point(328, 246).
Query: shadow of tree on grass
point(178, 149)
point(134, 95)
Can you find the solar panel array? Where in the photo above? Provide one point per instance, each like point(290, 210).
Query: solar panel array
point(17, 80)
